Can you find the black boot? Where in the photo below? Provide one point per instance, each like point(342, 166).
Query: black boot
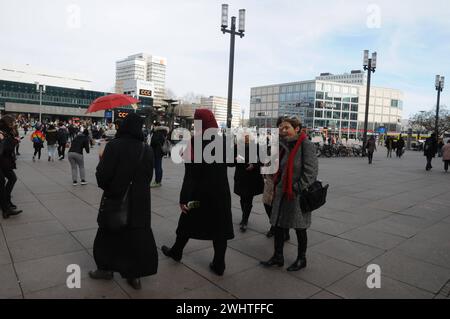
point(298, 264)
point(11, 205)
point(11, 212)
point(277, 258)
point(169, 253)
point(135, 283)
point(246, 210)
point(216, 269)
point(101, 274)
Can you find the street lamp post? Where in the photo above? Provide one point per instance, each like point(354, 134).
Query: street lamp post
point(41, 89)
point(439, 88)
point(233, 33)
point(370, 66)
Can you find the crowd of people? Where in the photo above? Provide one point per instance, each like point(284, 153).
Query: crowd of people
point(131, 156)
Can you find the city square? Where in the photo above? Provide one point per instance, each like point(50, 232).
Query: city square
point(393, 214)
point(112, 184)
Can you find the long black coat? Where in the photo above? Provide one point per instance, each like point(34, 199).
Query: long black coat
point(207, 183)
point(248, 183)
point(8, 155)
point(131, 252)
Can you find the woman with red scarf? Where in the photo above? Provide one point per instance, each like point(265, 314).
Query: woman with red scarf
point(297, 171)
point(207, 184)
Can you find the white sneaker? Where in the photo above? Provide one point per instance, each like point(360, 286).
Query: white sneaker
point(83, 182)
point(75, 183)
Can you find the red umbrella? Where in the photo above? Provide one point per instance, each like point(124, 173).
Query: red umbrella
point(111, 101)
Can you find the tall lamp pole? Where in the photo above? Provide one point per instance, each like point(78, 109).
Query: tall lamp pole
point(41, 89)
point(233, 33)
point(439, 88)
point(369, 66)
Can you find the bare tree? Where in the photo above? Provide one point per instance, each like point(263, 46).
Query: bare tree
point(425, 121)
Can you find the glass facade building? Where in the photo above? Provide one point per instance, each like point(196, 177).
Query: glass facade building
point(18, 97)
point(338, 107)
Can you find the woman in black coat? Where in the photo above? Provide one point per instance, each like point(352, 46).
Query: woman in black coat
point(212, 220)
point(132, 251)
point(248, 181)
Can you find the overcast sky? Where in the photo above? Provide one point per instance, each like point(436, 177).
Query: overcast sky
point(285, 41)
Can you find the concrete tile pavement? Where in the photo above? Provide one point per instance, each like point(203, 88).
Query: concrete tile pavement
point(391, 213)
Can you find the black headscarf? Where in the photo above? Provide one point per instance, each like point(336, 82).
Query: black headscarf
point(131, 127)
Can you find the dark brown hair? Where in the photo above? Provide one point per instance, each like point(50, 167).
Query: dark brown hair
point(293, 120)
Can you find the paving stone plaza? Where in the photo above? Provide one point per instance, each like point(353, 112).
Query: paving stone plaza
point(392, 214)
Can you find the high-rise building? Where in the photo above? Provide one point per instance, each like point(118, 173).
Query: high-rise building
point(336, 104)
point(143, 67)
point(218, 105)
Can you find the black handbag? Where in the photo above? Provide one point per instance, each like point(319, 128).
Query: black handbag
point(114, 211)
point(314, 197)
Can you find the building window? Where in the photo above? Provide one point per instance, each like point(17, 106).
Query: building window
point(319, 95)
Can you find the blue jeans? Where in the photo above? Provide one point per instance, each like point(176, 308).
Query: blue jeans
point(158, 169)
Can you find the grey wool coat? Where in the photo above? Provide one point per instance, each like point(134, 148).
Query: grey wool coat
point(287, 213)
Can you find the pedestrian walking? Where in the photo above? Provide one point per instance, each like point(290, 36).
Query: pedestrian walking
point(371, 147)
point(76, 158)
point(63, 136)
point(52, 138)
point(38, 139)
point(17, 137)
point(389, 146)
point(440, 145)
point(157, 141)
point(400, 147)
point(298, 170)
point(430, 150)
point(446, 155)
point(126, 163)
point(206, 185)
point(7, 166)
point(248, 181)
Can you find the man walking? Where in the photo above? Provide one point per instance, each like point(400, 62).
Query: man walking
point(371, 146)
point(430, 150)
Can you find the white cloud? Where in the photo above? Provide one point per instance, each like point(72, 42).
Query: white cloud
point(285, 41)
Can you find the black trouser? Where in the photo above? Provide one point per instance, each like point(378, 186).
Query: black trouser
point(246, 206)
point(12, 179)
point(37, 150)
point(446, 163)
point(389, 152)
point(220, 247)
point(429, 158)
point(17, 148)
point(62, 150)
point(370, 156)
point(3, 202)
point(302, 241)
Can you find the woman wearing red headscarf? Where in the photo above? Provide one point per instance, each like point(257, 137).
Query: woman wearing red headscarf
point(206, 184)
